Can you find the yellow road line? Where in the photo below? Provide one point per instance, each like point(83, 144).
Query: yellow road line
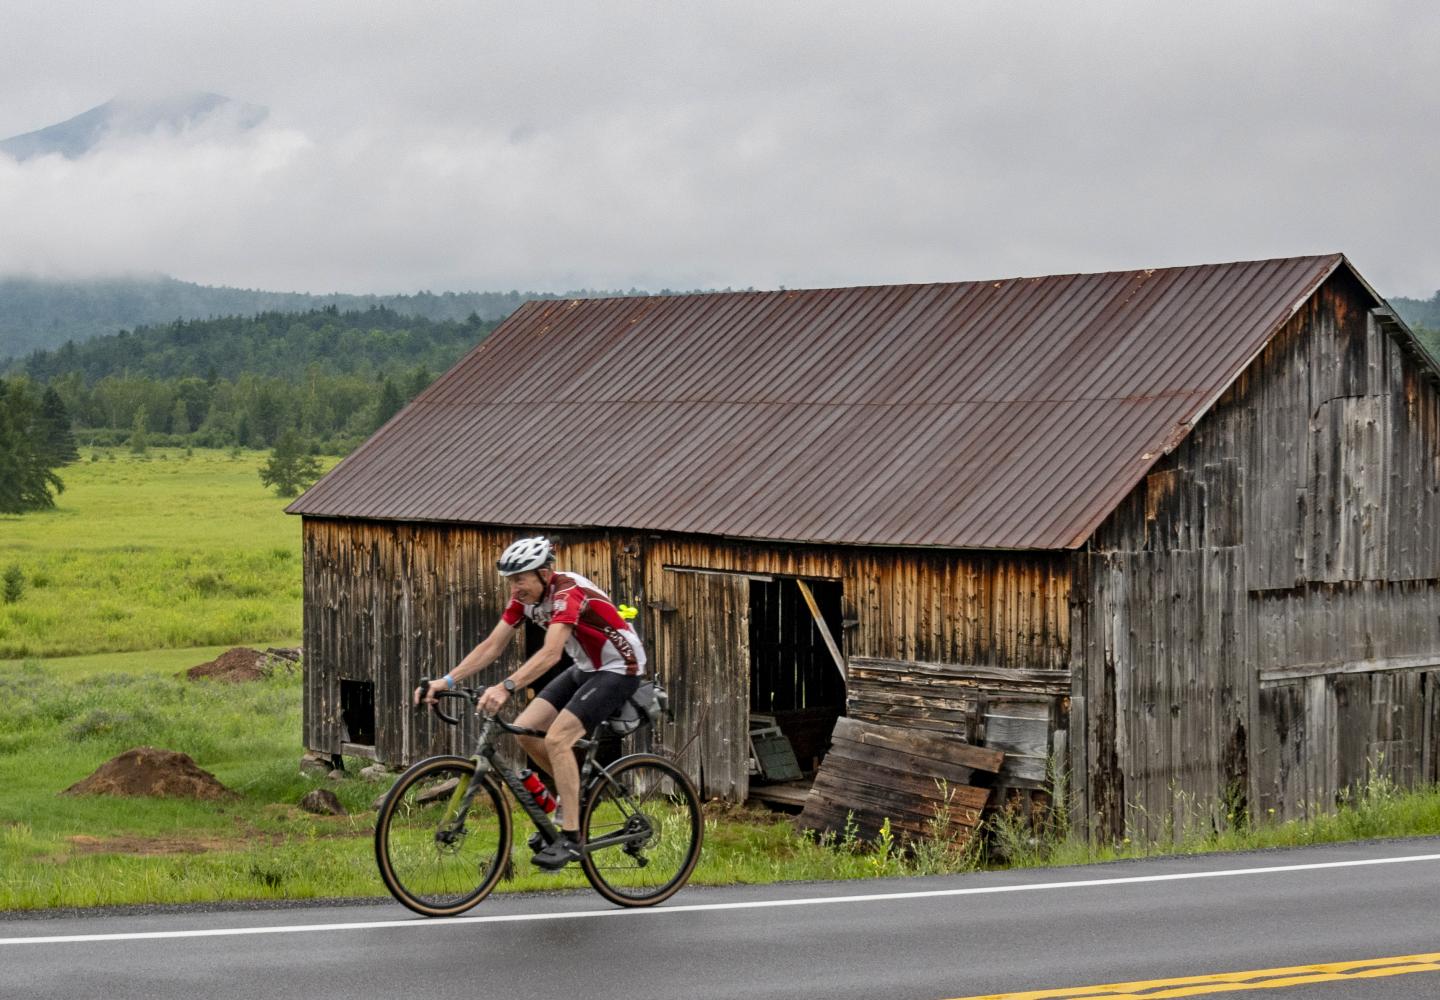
point(1234, 982)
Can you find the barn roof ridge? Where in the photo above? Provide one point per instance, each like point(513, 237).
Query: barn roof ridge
point(999, 414)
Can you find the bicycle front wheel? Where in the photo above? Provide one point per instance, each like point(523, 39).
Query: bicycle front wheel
point(642, 830)
point(438, 855)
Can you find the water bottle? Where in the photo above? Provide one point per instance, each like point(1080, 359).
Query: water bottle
point(537, 788)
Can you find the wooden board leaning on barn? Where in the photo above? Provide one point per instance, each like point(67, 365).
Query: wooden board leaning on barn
point(877, 772)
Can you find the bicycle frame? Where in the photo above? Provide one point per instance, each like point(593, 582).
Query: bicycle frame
point(484, 759)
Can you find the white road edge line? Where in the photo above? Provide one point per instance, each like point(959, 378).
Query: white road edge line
point(421, 922)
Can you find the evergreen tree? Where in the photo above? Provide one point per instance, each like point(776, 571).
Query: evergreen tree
point(180, 418)
point(139, 438)
point(27, 475)
point(289, 469)
point(59, 438)
point(389, 403)
point(420, 380)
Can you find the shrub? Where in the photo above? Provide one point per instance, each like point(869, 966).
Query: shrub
point(14, 584)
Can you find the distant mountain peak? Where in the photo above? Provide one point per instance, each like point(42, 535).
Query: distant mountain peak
point(134, 117)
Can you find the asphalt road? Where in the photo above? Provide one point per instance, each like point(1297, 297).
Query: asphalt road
point(962, 936)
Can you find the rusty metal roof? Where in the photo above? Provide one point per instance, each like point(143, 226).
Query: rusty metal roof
point(1010, 414)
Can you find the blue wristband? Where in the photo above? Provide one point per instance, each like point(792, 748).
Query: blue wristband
point(449, 682)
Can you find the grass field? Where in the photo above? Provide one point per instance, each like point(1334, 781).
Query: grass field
point(150, 567)
point(160, 552)
point(60, 719)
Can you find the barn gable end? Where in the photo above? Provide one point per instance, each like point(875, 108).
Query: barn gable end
point(1259, 623)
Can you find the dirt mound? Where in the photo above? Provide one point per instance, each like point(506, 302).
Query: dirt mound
point(148, 771)
point(233, 666)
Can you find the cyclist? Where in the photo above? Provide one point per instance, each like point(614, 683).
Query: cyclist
point(579, 619)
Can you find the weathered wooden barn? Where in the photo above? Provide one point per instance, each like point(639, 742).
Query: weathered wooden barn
point(1177, 529)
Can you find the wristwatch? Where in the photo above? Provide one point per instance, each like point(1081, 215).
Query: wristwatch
point(508, 685)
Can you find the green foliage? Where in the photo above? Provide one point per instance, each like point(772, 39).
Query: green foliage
point(37, 314)
point(55, 424)
point(388, 405)
point(27, 462)
point(1419, 312)
point(139, 440)
point(148, 570)
point(288, 346)
point(14, 584)
point(289, 469)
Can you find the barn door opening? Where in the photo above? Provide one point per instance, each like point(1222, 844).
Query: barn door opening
point(796, 669)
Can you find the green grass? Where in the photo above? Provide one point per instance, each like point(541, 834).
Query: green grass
point(160, 552)
point(61, 719)
point(149, 567)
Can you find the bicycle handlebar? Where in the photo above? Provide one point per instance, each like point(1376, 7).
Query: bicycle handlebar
point(471, 696)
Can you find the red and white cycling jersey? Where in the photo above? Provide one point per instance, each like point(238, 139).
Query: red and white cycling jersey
point(602, 640)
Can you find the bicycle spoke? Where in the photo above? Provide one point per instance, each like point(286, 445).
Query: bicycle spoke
point(651, 813)
point(432, 859)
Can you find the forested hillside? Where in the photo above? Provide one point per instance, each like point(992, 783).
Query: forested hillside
point(332, 377)
point(39, 314)
point(377, 341)
point(1421, 312)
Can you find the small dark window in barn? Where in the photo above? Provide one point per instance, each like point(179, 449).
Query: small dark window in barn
point(793, 676)
point(357, 712)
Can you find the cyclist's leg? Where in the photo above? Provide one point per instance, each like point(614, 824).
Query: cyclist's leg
point(601, 694)
point(560, 740)
point(540, 714)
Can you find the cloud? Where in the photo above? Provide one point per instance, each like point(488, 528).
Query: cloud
point(456, 145)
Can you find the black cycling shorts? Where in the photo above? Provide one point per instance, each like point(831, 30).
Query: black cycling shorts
point(590, 696)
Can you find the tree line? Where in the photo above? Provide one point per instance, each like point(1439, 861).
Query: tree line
point(374, 342)
point(329, 378)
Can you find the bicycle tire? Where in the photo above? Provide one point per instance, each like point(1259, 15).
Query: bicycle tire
point(435, 877)
point(669, 832)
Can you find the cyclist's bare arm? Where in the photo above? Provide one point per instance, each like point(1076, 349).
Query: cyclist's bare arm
point(546, 657)
point(486, 653)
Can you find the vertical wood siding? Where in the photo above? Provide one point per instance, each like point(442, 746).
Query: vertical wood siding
point(1296, 526)
point(390, 603)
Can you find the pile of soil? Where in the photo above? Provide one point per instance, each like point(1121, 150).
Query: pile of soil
point(234, 666)
point(152, 772)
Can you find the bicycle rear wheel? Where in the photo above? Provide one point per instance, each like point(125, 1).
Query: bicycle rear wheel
point(435, 861)
point(642, 829)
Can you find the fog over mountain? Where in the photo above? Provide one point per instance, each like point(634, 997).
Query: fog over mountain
point(123, 119)
point(480, 144)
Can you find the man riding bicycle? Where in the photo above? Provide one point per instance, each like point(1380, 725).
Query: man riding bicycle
point(579, 619)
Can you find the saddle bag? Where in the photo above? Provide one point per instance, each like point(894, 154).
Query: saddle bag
point(645, 707)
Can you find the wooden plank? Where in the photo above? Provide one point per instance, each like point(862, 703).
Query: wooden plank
point(854, 768)
point(1281, 675)
point(821, 627)
point(920, 745)
point(969, 671)
point(884, 757)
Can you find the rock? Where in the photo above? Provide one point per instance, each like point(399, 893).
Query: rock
point(375, 772)
point(315, 763)
point(337, 775)
point(322, 802)
point(147, 771)
point(379, 800)
point(291, 653)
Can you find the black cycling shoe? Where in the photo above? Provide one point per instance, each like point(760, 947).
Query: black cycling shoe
point(536, 842)
point(557, 855)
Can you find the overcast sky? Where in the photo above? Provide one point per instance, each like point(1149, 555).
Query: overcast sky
point(464, 145)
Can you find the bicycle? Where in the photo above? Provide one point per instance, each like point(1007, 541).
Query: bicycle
point(443, 834)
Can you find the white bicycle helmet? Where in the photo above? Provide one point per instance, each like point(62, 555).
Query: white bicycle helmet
point(525, 555)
